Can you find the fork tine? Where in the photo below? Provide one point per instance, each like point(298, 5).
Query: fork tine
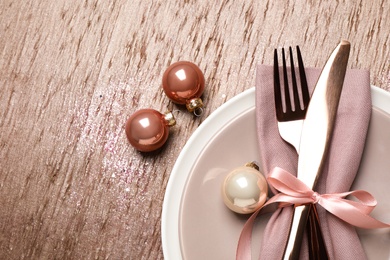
point(277, 92)
point(302, 75)
point(287, 100)
point(297, 104)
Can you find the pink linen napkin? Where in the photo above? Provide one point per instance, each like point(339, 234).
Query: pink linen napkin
point(342, 163)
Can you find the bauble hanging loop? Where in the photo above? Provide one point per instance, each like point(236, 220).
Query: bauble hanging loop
point(147, 129)
point(245, 189)
point(183, 82)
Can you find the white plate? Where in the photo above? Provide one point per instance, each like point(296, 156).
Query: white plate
point(196, 224)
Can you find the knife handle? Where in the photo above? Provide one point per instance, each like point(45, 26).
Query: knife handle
point(298, 227)
point(317, 248)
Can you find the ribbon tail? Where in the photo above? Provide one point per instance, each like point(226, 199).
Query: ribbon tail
point(244, 250)
point(244, 243)
point(352, 214)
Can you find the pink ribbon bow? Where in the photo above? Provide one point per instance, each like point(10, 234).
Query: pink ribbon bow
point(294, 192)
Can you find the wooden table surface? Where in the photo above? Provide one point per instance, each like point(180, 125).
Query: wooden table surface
point(72, 72)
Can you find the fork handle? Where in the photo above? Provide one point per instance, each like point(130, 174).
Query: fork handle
point(298, 226)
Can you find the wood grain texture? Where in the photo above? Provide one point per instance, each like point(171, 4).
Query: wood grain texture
point(71, 73)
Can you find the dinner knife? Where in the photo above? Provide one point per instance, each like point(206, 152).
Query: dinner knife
point(316, 132)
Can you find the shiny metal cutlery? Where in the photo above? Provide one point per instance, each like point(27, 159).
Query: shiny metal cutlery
point(290, 116)
point(316, 132)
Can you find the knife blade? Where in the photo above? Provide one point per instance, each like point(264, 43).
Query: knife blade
point(316, 132)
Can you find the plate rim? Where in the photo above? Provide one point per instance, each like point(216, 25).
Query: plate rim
point(235, 106)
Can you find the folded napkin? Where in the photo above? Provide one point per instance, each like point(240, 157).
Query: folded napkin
point(341, 166)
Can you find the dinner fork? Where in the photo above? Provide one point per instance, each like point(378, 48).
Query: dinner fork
point(290, 115)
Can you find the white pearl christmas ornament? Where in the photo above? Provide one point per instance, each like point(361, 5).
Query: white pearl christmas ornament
point(244, 190)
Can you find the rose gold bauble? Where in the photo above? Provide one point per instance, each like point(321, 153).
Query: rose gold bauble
point(183, 82)
point(147, 129)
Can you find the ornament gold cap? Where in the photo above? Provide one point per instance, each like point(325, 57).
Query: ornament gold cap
point(169, 118)
point(195, 105)
point(252, 165)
